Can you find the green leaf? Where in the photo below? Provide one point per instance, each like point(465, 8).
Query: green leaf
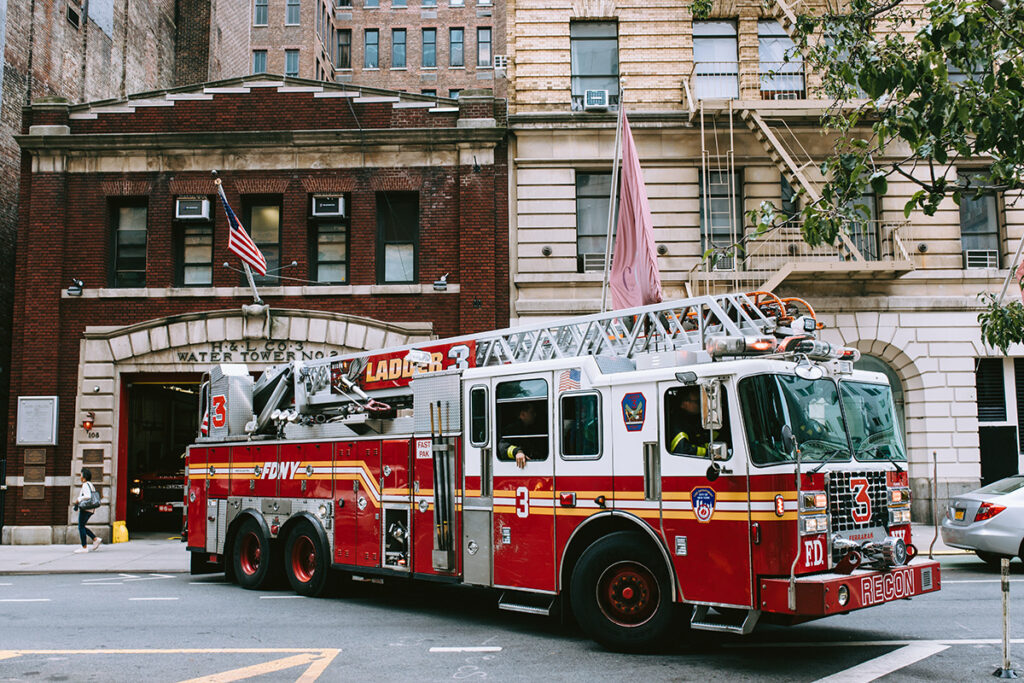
point(879, 184)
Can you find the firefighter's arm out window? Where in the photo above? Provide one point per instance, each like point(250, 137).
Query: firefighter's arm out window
point(522, 416)
point(581, 426)
point(684, 429)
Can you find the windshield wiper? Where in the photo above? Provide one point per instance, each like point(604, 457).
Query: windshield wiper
point(878, 450)
point(831, 454)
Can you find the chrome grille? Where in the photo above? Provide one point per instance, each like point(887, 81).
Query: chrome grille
point(841, 501)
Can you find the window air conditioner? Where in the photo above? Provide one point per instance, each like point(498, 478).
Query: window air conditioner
point(192, 208)
point(328, 205)
point(595, 100)
point(981, 258)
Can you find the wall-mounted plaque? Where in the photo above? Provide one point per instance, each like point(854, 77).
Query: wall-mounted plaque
point(37, 421)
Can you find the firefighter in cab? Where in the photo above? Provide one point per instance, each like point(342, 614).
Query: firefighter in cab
point(689, 437)
point(520, 435)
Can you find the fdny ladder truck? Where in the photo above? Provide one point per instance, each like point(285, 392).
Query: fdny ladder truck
point(791, 503)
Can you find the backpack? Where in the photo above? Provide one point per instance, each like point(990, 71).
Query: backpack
point(93, 501)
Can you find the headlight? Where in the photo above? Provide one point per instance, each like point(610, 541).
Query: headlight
point(899, 516)
point(843, 596)
point(815, 524)
point(135, 491)
point(814, 501)
point(900, 496)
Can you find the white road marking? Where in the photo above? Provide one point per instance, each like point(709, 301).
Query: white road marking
point(6, 584)
point(147, 599)
point(282, 597)
point(466, 649)
point(122, 579)
point(24, 599)
point(886, 664)
point(946, 581)
point(870, 643)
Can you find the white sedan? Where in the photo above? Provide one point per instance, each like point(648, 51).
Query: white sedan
point(989, 520)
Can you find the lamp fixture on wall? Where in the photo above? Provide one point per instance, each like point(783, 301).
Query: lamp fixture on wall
point(89, 421)
point(76, 287)
point(441, 284)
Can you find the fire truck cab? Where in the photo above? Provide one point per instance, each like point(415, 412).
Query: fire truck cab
point(706, 458)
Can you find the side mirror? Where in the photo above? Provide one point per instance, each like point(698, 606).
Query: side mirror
point(711, 404)
point(788, 440)
point(718, 450)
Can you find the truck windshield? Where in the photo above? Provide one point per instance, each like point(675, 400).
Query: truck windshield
point(871, 418)
point(810, 407)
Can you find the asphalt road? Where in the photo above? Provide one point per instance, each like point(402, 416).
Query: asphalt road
point(173, 627)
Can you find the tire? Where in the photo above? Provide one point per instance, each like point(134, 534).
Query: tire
point(252, 559)
point(991, 559)
point(621, 594)
point(305, 561)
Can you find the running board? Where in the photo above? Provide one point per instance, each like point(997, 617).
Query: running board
point(527, 603)
point(702, 620)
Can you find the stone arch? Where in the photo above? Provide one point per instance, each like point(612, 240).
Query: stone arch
point(191, 343)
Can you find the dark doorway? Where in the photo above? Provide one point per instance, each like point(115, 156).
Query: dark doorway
point(162, 422)
point(998, 453)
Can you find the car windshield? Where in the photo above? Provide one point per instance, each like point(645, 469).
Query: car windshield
point(810, 407)
point(1004, 486)
point(871, 419)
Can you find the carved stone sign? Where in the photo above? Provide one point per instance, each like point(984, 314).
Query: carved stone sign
point(37, 421)
point(252, 351)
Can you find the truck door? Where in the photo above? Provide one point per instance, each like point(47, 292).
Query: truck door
point(706, 523)
point(478, 501)
point(523, 496)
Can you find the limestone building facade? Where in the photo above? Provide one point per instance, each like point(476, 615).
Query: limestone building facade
point(722, 122)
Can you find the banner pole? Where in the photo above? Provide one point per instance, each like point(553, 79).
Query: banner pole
point(612, 203)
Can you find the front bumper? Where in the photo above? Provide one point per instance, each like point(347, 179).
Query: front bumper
point(817, 595)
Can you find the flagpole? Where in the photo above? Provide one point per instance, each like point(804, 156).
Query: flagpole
point(613, 201)
point(248, 271)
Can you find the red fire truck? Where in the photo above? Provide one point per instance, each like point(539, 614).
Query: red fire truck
point(557, 463)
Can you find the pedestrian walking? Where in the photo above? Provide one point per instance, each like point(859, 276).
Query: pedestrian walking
point(86, 496)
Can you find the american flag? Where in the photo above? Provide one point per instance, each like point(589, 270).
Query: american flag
point(569, 380)
point(205, 427)
point(239, 240)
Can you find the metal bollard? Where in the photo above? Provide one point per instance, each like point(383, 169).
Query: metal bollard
point(1005, 671)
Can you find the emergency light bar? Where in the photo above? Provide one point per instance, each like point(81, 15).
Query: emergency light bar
point(717, 347)
point(816, 349)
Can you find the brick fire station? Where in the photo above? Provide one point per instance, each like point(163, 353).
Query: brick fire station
point(379, 213)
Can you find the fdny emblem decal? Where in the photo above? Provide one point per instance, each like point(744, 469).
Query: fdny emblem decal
point(634, 410)
point(703, 500)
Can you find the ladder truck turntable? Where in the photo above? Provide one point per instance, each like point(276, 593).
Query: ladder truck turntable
point(387, 464)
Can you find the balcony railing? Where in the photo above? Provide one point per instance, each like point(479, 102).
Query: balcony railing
point(770, 258)
point(716, 80)
point(782, 80)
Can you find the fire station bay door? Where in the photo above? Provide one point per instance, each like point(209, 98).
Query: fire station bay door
point(706, 523)
point(524, 524)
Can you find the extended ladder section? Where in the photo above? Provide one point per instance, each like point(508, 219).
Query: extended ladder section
point(329, 389)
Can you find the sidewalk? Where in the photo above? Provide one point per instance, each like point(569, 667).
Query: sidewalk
point(163, 554)
point(157, 553)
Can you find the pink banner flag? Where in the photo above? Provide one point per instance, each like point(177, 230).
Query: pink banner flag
point(1020, 279)
point(634, 278)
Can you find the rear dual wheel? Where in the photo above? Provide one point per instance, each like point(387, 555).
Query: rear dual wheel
point(621, 594)
point(252, 556)
point(305, 561)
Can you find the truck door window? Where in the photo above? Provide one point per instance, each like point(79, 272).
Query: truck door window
point(478, 416)
point(581, 426)
point(684, 432)
point(522, 415)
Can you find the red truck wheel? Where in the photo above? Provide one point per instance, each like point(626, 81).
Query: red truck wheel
point(621, 594)
point(252, 558)
point(306, 561)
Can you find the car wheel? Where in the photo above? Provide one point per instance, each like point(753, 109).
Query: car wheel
point(991, 559)
point(621, 594)
point(252, 557)
point(305, 561)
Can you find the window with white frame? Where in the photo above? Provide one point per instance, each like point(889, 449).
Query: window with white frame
point(715, 60)
point(292, 12)
point(259, 13)
point(594, 60)
point(979, 229)
point(259, 61)
point(291, 62)
point(780, 65)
